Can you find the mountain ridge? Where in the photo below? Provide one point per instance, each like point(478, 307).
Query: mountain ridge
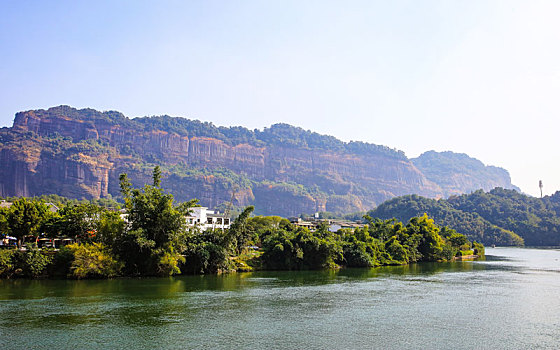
point(285, 169)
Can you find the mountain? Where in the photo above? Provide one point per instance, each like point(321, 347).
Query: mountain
point(283, 169)
point(499, 216)
point(457, 173)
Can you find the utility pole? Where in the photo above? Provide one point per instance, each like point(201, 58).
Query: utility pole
point(540, 186)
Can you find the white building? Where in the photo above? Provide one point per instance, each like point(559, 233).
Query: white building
point(207, 219)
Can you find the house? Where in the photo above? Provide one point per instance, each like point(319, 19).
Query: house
point(205, 219)
point(50, 206)
point(199, 217)
point(333, 224)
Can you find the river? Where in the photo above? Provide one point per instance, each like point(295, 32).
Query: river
point(510, 300)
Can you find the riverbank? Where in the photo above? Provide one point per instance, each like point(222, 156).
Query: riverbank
point(466, 257)
point(151, 237)
point(58, 264)
point(353, 308)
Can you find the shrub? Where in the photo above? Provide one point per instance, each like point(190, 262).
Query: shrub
point(464, 253)
point(6, 263)
point(93, 261)
point(168, 263)
point(478, 248)
point(356, 255)
point(30, 263)
point(206, 252)
point(36, 263)
point(62, 262)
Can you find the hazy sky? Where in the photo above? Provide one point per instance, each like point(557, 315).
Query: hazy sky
point(478, 77)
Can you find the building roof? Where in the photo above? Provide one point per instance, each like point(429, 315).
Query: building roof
point(52, 207)
point(216, 215)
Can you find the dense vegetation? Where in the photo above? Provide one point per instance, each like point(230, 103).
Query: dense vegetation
point(501, 217)
point(379, 243)
point(277, 134)
point(153, 239)
point(536, 220)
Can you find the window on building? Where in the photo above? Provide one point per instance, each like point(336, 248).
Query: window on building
point(226, 221)
point(219, 221)
point(209, 220)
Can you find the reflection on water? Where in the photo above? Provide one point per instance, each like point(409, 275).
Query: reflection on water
point(509, 300)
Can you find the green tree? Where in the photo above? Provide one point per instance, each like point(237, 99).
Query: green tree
point(125, 186)
point(431, 244)
point(157, 229)
point(75, 220)
point(207, 252)
point(25, 218)
point(110, 228)
point(156, 176)
point(4, 228)
point(239, 233)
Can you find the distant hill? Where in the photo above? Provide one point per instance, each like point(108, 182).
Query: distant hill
point(283, 170)
point(500, 216)
point(457, 173)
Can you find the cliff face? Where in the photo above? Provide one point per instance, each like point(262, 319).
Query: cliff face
point(282, 170)
point(457, 173)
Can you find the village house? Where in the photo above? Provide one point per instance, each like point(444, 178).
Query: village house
point(199, 217)
point(333, 224)
point(51, 206)
point(206, 219)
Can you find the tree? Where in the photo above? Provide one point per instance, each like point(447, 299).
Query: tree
point(238, 232)
point(25, 218)
point(431, 244)
point(110, 228)
point(207, 252)
point(80, 221)
point(457, 240)
point(125, 186)
point(156, 176)
point(157, 229)
point(4, 228)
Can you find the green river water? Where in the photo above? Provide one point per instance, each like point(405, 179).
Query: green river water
point(511, 300)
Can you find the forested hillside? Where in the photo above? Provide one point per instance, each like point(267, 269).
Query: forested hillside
point(501, 217)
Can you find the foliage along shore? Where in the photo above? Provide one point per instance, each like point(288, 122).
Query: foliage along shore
point(500, 216)
point(154, 240)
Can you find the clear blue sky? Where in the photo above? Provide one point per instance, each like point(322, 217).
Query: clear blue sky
point(479, 77)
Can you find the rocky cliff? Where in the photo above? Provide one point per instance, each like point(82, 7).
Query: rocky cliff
point(283, 170)
point(457, 173)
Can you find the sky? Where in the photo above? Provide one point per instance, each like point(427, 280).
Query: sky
point(475, 77)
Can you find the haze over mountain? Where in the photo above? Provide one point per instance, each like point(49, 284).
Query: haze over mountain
point(282, 169)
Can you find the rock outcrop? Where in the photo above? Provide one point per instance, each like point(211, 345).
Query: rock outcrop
point(282, 170)
point(457, 173)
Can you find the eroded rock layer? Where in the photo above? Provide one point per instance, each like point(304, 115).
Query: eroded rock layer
point(283, 170)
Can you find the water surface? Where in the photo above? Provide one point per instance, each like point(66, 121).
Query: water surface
point(511, 300)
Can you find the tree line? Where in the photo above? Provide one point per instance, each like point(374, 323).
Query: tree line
point(500, 216)
point(152, 238)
